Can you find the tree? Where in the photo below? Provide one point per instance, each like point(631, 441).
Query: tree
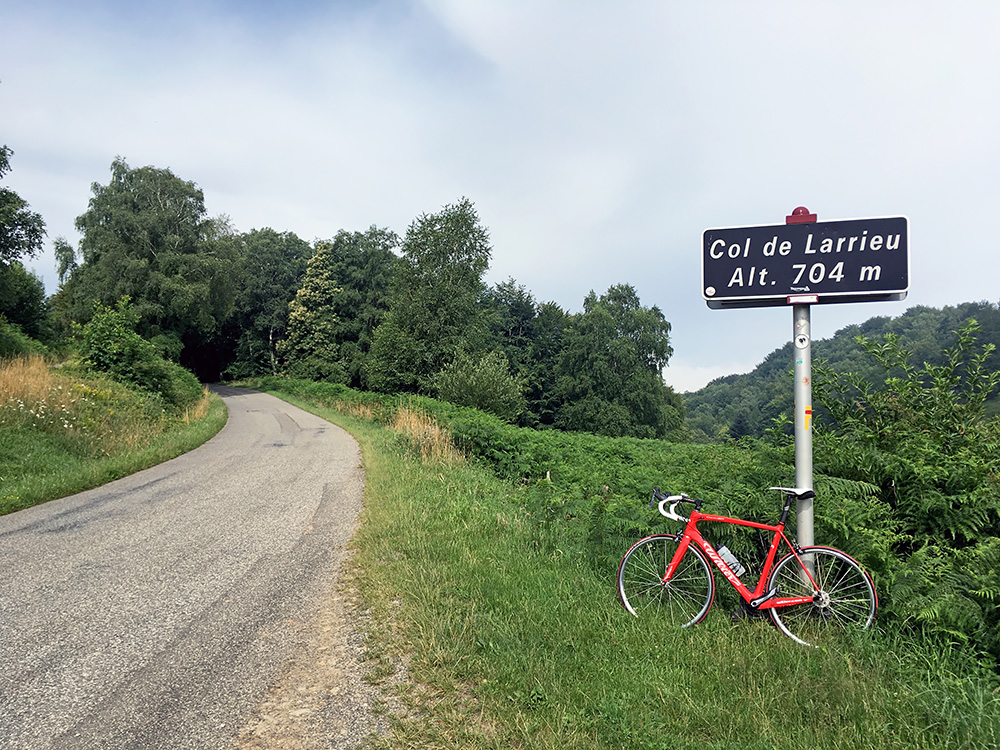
point(146, 235)
point(434, 309)
point(610, 379)
point(310, 349)
point(548, 332)
point(511, 311)
point(362, 263)
point(270, 270)
point(22, 300)
point(21, 230)
point(65, 256)
point(531, 337)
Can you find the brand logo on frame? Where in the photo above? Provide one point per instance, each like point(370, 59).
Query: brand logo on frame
point(721, 565)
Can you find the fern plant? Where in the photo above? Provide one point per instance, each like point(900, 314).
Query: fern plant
point(923, 442)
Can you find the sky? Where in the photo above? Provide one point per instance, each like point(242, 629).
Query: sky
point(598, 140)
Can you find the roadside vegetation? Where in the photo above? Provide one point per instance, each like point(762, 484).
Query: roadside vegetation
point(509, 445)
point(907, 474)
point(65, 430)
point(498, 595)
point(110, 409)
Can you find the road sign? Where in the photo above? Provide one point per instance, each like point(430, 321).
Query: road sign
point(854, 260)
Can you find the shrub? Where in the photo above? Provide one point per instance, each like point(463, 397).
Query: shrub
point(175, 384)
point(485, 384)
point(317, 367)
point(14, 342)
point(111, 345)
point(924, 444)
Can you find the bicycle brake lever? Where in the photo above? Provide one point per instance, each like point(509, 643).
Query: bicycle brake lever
point(657, 495)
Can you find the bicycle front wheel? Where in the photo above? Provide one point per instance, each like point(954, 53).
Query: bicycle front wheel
point(684, 600)
point(844, 598)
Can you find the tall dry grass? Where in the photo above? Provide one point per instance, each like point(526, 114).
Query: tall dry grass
point(357, 410)
point(199, 410)
point(31, 396)
point(92, 416)
point(25, 378)
point(431, 441)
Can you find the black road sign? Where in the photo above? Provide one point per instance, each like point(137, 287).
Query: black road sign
point(856, 260)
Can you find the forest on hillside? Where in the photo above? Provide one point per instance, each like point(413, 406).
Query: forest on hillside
point(365, 308)
point(748, 404)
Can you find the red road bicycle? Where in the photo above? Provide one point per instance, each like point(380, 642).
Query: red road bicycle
point(808, 593)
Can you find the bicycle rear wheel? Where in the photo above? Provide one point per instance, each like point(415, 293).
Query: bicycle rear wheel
point(684, 600)
point(844, 598)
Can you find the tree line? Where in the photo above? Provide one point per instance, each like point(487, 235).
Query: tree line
point(368, 309)
point(386, 313)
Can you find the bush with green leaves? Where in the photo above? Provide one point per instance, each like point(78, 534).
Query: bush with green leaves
point(483, 383)
point(14, 342)
point(110, 344)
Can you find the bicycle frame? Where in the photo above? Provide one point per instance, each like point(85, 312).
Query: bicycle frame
point(758, 598)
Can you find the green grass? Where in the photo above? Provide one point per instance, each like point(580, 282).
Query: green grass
point(63, 432)
point(513, 640)
point(512, 635)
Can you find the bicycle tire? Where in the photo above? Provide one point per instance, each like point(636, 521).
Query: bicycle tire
point(846, 598)
point(684, 600)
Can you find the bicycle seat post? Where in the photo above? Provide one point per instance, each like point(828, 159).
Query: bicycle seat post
point(791, 493)
point(785, 510)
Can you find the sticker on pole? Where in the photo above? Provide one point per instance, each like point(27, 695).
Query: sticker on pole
point(853, 260)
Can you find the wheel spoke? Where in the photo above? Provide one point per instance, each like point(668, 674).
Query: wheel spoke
point(683, 600)
point(844, 599)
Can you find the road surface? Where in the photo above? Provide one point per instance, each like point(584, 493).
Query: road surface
point(154, 612)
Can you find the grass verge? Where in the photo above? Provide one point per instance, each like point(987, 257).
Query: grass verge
point(513, 641)
point(63, 432)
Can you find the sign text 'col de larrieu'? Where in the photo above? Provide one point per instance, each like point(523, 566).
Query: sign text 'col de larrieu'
point(854, 260)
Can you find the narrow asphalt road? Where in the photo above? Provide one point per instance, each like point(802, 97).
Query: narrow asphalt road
point(154, 612)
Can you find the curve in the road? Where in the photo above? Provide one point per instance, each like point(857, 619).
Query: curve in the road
point(155, 611)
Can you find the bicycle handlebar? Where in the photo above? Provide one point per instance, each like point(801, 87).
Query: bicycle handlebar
point(673, 500)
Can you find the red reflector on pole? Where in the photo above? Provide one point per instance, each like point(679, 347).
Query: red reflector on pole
point(801, 215)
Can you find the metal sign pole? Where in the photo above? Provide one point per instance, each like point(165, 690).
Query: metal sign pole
point(803, 422)
point(802, 339)
point(849, 260)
